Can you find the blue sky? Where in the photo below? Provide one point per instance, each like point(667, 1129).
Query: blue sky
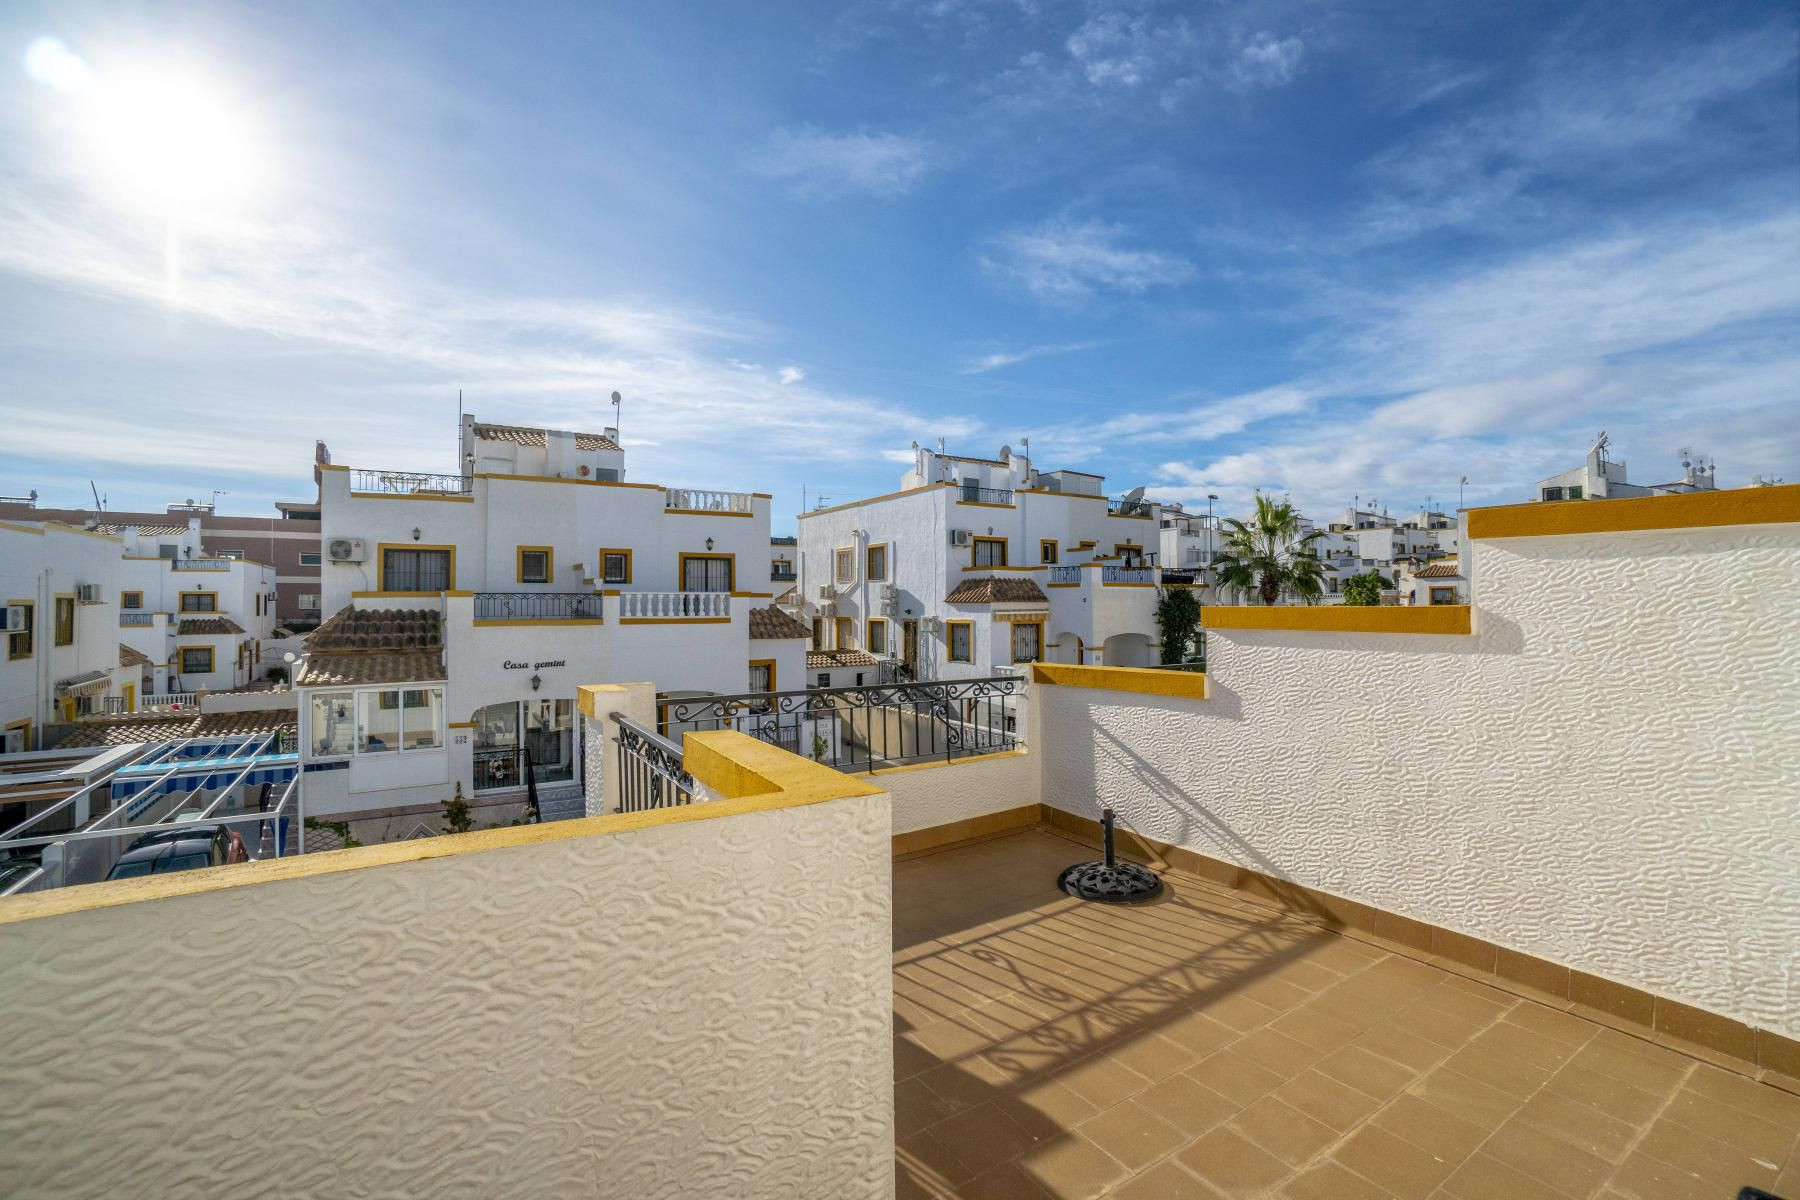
point(1317, 249)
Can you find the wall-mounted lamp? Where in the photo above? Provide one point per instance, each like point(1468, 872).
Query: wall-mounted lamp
point(537, 681)
point(709, 544)
point(415, 533)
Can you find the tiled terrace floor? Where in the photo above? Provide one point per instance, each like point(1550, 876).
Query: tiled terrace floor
point(1204, 1046)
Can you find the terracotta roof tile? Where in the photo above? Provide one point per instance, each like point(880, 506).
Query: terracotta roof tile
point(167, 727)
point(825, 659)
point(523, 435)
point(771, 622)
point(374, 645)
point(991, 590)
point(132, 658)
point(197, 626)
point(1440, 570)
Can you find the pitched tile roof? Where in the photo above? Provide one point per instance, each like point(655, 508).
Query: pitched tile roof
point(992, 590)
point(374, 645)
point(771, 622)
point(132, 658)
point(1438, 570)
point(146, 530)
point(192, 626)
point(825, 659)
point(162, 727)
point(522, 435)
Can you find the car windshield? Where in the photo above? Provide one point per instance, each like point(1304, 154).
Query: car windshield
point(184, 862)
point(126, 870)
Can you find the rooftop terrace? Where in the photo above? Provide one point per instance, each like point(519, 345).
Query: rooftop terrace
point(1206, 1045)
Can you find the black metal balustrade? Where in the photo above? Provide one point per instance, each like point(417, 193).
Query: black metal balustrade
point(969, 494)
point(499, 769)
point(866, 728)
point(537, 606)
point(650, 771)
point(407, 483)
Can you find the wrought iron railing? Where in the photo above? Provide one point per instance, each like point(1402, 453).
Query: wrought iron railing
point(780, 575)
point(866, 728)
point(1109, 574)
point(669, 606)
point(137, 618)
point(498, 770)
point(406, 483)
point(701, 500)
point(650, 770)
point(969, 494)
point(1065, 575)
point(1173, 578)
point(537, 606)
point(201, 564)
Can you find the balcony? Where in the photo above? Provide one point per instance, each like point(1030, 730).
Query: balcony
point(377, 482)
point(696, 500)
point(201, 564)
point(1112, 574)
point(969, 494)
point(128, 620)
point(674, 606)
point(782, 575)
point(538, 606)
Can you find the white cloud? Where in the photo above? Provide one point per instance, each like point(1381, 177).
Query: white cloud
point(829, 165)
point(1115, 49)
point(1007, 358)
point(789, 375)
point(1266, 61)
point(1063, 259)
point(53, 64)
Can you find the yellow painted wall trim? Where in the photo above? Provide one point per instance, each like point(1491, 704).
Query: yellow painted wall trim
point(1130, 516)
point(464, 725)
point(1689, 510)
point(739, 767)
point(817, 512)
point(34, 531)
point(674, 620)
point(411, 496)
point(401, 595)
point(703, 512)
point(330, 467)
point(984, 504)
point(1188, 684)
point(755, 595)
point(1123, 584)
point(1340, 618)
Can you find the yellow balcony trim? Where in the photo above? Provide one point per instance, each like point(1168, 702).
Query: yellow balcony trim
point(1686, 510)
point(742, 768)
point(1188, 684)
point(331, 467)
point(484, 622)
point(703, 512)
point(1340, 618)
point(674, 620)
point(464, 725)
point(755, 595)
point(1119, 583)
point(1051, 585)
point(401, 595)
point(984, 504)
point(1130, 516)
point(952, 762)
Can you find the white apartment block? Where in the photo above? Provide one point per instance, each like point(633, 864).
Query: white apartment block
point(1599, 478)
point(108, 620)
point(978, 564)
point(464, 610)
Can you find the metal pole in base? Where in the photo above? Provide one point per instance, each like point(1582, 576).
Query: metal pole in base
point(1111, 881)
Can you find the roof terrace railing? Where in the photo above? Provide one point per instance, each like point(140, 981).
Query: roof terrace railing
point(1065, 575)
point(537, 606)
point(674, 606)
point(137, 618)
point(867, 728)
point(202, 564)
point(701, 500)
point(410, 483)
point(970, 494)
point(650, 770)
point(1111, 574)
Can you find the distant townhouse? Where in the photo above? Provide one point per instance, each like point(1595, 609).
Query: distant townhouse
point(289, 544)
point(1600, 478)
point(976, 565)
point(62, 656)
point(465, 609)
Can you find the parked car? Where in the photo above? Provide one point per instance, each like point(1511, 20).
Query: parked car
point(14, 869)
point(179, 848)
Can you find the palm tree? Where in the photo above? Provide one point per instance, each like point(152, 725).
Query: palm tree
point(1268, 555)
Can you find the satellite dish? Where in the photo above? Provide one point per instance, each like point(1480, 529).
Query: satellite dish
point(1005, 453)
point(288, 657)
point(617, 399)
point(1134, 495)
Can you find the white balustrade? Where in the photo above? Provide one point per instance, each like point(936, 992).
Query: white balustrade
point(674, 606)
point(698, 500)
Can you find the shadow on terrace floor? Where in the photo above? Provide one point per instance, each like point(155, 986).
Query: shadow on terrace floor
point(1207, 1046)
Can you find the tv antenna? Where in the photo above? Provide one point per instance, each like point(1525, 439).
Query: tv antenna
point(617, 403)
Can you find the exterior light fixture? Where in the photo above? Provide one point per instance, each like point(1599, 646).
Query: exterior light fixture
point(537, 681)
point(709, 544)
point(415, 533)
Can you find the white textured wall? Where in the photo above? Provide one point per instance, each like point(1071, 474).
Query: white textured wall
point(673, 1012)
point(1605, 775)
point(956, 791)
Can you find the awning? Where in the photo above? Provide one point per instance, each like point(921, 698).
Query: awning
point(91, 683)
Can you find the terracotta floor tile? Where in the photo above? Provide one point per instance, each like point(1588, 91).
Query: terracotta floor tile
point(1072, 1168)
point(1606, 1094)
point(1308, 973)
point(1436, 1130)
point(1443, 1026)
point(1708, 1158)
point(1285, 1132)
point(1312, 1025)
point(1164, 1181)
point(1238, 1012)
point(1054, 1103)
point(1499, 1069)
point(1644, 1177)
point(1326, 1100)
point(1188, 1105)
point(1101, 1080)
point(1580, 1125)
point(1461, 1096)
point(1757, 1099)
point(981, 1137)
point(929, 1161)
point(1276, 1052)
point(1231, 1164)
point(1617, 1055)
point(1366, 1072)
point(1153, 1056)
point(1734, 1126)
point(1331, 1181)
point(1133, 1134)
point(1521, 1044)
point(1404, 1170)
point(1487, 1178)
point(916, 1107)
point(1547, 1158)
point(966, 1083)
point(1234, 1076)
point(1198, 1032)
point(1391, 1041)
point(1009, 1181)
point(1551, 1023)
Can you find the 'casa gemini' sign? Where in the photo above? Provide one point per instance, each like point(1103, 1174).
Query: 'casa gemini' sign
point(510, 665)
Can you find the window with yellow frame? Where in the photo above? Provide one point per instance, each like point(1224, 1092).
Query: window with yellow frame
point(131, 599)
point(534, 564)
point(762, 674)
point(875, 563)
point(194, 660)
point(65, 620)
point(615, 564)
point(1047, 551)
point(846, 633)
point(19, 645)
point(844, 564)
point(875, 637)
point(959, 641)
point(988, 552)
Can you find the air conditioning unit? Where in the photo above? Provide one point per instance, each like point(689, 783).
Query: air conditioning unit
point(87, 593)
point(827, 592)
point(890, 599)
point(960, 537)
point(15, 619)
point(345, 550)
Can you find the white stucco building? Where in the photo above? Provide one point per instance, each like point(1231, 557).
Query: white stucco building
point(977, 564)
point(1600, 478)
point(465, 609)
